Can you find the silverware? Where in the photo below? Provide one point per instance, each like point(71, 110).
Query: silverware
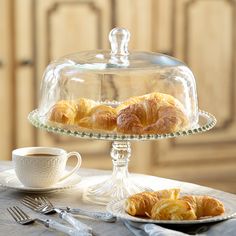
point(104, 216)
point(42, 205)
point(22, 218)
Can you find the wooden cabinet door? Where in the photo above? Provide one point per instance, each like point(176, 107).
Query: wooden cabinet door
point(202, 34)
point(204, 38)
point(58, 28)
point(6, 80)
point(25, 67)
point(64, 27)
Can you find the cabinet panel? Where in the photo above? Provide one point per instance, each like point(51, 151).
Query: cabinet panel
point(135, 16)
point(150, 23)
point(24, 71)
point(163, 17)
point(202, 34)
point(209, 29)
point(79, 34)
point(63, 27)
point(212, 59)
point(204, 38)
point(6, 79)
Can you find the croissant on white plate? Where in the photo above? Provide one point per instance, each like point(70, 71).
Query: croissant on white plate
point(141, 204)
point(205, 205)
point(168, 205)
point(173, 209)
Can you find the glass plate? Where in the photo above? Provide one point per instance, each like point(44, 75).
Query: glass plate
point(206, 122)
point(117, 209)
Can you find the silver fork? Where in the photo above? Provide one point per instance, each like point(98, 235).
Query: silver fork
point(104, 216)
point(22, 218)
point(42, 206)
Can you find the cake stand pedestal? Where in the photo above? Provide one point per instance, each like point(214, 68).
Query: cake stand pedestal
point(120, 184)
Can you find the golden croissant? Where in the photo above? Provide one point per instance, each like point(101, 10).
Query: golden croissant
point(84, 106)
point(100, 117)
point(205, 205)
point(141, 204)
point(63, 112)
point(70, 111)
point(172, 209)
point(155, 113)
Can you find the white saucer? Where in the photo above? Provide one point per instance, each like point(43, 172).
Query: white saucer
point(9, 180)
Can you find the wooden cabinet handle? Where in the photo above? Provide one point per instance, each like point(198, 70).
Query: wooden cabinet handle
point(26, 62)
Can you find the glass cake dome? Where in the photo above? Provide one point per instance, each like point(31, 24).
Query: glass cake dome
point(120, 96)
point(102, 80)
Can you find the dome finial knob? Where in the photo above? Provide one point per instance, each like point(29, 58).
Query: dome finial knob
point(119, 39)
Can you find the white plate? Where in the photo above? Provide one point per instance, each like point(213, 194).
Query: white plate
point(117, 209)
point(9, 180)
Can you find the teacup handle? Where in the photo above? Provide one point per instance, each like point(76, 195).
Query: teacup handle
point(78, 164)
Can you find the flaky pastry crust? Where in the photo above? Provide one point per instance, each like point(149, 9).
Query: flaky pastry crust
point(100, 117)
point(166, 205)
point(172, 209)
point(63, 112)
point(141, 204)
point(155, 113)
point(205, 205)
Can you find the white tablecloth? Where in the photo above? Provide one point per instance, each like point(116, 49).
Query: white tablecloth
point(72, 198)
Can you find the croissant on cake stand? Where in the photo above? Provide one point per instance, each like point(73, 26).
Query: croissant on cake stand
point(69, 112)
point(63, 112)
point(99, 117)
point(154, 113)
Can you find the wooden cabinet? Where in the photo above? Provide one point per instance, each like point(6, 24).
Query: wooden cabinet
point(64, 27)
point(25, 67)
point(6, 80)
point(58, 28)
point(199, 32)
point(204, 33)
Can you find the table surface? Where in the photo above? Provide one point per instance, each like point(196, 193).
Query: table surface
point(73, 198)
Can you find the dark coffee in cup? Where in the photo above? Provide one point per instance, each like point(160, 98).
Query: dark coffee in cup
point(40, 155)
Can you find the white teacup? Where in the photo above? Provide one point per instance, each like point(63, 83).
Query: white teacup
point(41, 167)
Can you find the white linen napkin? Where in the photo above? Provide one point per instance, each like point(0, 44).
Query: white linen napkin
point(139, 229)
point(226, 228)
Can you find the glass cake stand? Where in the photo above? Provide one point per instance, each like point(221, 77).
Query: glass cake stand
point(119, 185)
